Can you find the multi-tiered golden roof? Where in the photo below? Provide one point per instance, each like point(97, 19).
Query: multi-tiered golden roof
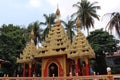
point(29, 51)
point(57, 43)
point(80, 46)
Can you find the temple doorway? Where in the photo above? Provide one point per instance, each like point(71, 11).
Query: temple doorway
point(53, 70)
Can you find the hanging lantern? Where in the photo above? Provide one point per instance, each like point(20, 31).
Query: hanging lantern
point(52, 68)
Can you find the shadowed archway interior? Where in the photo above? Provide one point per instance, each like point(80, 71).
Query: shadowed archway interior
point(53, 70)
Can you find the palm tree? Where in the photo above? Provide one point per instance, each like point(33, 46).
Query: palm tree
point(86, 12)
point(70, 28)
point(49, 21)
point(114, 22)
point(37, 31)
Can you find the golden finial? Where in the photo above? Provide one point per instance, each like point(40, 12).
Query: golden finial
point(58, 23)
point(78, 23)
point(57, 11)
point(32, 36)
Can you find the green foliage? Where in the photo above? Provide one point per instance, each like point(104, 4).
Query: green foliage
point(12, 43)
point(37, 31)
point(114, 22)
point(86, 11)
point(115, 70)
point(102, 42)
point(70, 28)
point(48, 24)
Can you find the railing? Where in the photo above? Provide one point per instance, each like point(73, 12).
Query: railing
point(94, 77)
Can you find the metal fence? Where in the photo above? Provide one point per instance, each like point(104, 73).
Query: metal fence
point(94, 77)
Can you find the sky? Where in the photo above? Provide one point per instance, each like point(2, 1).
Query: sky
point(24, 12)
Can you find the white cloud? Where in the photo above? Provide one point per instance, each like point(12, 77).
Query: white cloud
point(34, 3)
point(54, 2)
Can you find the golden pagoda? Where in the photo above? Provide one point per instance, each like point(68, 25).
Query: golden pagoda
point(80, 46)
point(57, 56)
point(80, 49)
point(54, 50)
point(27, 57)
point(29, 51)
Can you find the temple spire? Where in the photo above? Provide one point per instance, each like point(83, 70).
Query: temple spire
point(32, 36)
point(57, 22)
point(58, 13)
point(78, 24)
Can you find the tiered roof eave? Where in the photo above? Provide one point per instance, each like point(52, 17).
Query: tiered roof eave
point(56, 43)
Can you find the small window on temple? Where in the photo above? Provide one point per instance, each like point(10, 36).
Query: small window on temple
point(57, 50)
point(58, 32)
point(63, 49)
point(83, 50)
point(45, 46)
point(74, 51)
point(43, 51)
point(75, 43)
point(58, 39)
point(58, 44)
point(27, 57)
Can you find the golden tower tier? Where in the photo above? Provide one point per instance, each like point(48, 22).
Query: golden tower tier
point(57, 42)
point(29, 51)
point(80, 46)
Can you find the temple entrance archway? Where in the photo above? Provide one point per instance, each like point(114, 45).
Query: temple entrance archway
point(53, 70)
